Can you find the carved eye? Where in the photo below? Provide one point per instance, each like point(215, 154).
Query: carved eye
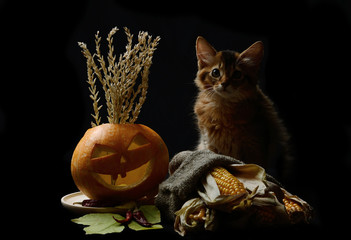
point(237, 74)
point(215, 73)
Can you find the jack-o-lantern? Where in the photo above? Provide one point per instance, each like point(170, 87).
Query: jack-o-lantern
point(119, 162)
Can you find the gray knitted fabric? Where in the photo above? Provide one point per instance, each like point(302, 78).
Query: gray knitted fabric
point(188, 168)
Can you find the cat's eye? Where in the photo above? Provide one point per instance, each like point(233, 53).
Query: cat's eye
point(215, 73)
point(237, 74)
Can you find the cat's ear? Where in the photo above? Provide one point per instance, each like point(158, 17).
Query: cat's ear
point(251, 58)
point(205, 52)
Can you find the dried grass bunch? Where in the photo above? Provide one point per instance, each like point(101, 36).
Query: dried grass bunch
point(124, 97)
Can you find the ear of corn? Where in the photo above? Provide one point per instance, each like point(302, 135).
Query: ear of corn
point(200, 215)
point(227, 183)
point(294, 210)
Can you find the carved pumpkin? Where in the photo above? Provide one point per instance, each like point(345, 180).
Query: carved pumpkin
point(119, 162)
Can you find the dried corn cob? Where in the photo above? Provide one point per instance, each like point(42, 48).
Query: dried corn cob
point(294, 210)
point(227, 183)
point(199, 215)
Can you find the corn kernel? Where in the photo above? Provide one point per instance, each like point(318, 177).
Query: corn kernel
point(227, 183)
point(294, 210)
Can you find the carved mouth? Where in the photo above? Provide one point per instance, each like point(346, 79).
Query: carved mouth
point(122, 168)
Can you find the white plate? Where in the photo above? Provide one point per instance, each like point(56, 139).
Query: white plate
point(73, 203)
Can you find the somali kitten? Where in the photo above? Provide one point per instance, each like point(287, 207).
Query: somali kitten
point(234, 116)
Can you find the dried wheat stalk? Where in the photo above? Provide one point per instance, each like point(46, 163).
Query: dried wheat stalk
point(124, 97)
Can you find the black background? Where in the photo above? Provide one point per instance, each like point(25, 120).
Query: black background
point(45, 106)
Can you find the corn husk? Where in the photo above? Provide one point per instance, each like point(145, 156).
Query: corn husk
point(184, 223)
point(305, 215)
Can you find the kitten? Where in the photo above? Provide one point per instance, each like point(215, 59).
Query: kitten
point(235, 117)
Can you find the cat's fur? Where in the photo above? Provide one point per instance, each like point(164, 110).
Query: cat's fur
point(235, 117)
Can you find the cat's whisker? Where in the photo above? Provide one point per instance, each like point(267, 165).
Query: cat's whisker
point(209, 92)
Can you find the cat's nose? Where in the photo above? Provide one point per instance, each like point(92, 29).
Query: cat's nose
point(220, 87)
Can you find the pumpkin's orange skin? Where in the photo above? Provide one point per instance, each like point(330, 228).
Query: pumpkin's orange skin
point(118, 137)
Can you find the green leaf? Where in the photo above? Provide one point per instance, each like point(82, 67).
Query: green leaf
point(100, 223)
point(151, 213)
point(137, 227)
point(103, 223)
